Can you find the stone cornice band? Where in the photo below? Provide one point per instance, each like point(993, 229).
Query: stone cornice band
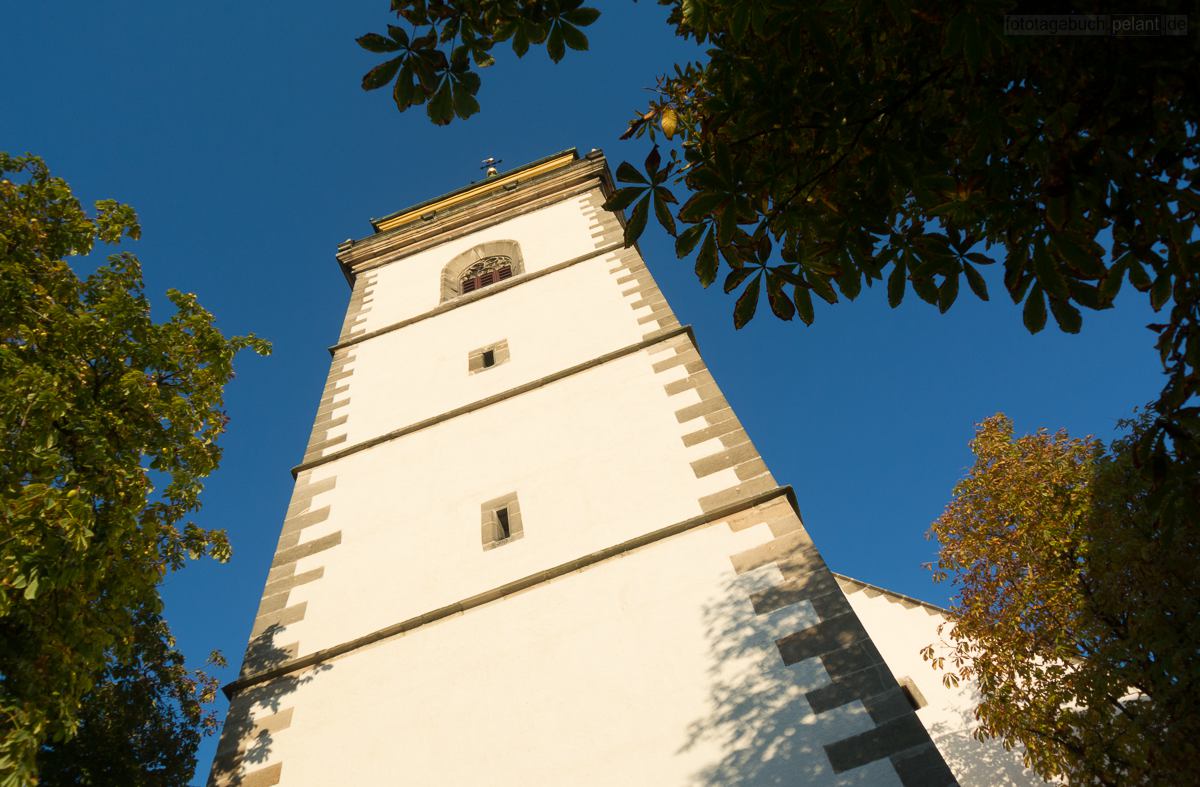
point(507, 589)
point(393, 245)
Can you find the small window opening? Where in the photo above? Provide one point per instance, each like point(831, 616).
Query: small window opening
point(487, 271)
point(501, 521)
point(912, 693)
point(487, 357)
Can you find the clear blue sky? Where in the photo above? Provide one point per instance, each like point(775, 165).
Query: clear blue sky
point(239, 133)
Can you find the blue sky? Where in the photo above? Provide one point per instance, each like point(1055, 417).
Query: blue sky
point(239, 133)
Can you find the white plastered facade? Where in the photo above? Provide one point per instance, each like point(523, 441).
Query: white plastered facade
point(664, 618)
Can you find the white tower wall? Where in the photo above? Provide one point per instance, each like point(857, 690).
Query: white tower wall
point(659, 615)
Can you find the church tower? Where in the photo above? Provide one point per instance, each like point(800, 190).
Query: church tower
point(531, 544)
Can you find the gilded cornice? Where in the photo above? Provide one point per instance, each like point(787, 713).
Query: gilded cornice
point(470, 210)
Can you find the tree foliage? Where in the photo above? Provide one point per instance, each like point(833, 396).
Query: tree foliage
point(1077, 604)
point(142, 721)
point(110, 423)
point(431, 62)
point(824, 147)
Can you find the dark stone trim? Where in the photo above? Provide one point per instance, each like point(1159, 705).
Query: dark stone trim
point(890, 738)
point(472, 297)
point(508, 589)
point(906, 601)
point(923, 767)
point(511, 392)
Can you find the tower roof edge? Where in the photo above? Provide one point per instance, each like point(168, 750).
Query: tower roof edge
point(472, 207)
point(474, 190)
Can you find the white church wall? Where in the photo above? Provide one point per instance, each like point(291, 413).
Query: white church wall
point(595, 459)
point(550, 324)
point(649, 669)
point(900, 631)
point(412, 284)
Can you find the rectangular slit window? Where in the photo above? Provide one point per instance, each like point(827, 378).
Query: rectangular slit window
point(912, 693)
point(488, 357)
point(501, 521)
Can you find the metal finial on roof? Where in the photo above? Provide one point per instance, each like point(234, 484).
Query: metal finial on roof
point(489, 166)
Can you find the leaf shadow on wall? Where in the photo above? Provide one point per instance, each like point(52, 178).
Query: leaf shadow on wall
point(759, 720)
point(256, 713)
point(975, 762)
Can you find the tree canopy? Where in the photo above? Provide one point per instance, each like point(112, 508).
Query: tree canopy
point(110, 422)
point(1075, 607)
point(818, 149)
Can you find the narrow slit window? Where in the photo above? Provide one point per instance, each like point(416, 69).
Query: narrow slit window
point(487, 357)
point(501, 521)
point(912, 693)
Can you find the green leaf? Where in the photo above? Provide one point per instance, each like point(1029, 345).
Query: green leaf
point(482, 58)
point(1084, 258)
point(821, 286)
point(1137, 276)
point(404, 92)
point(975, 281)
point(1110, 285)
point(688, 239)
point(623, 198)
point(381, 74)
point(1087, 295)
point(747, 304)
point(707, 260)
point(520, 42)
point(947, 293)
point(700, 205)
point(31, 590)
point(627, 173)
point(972, 44)
point(925, 289)
point(581, 16)
point(1066, 315)
point(781, 305)
point(663, 213)
point(850, 282)
point(637, 222)
point(554, 44)
point(804, 304)
point(1034, 313)
point(1050, 276)
point(398, 35)
point(465, 104)
point(1160, 292)
point(441, 106)
point(895, 286)
point(653, 159)
point(373, 42)
point(735, 277)
point(573, 37)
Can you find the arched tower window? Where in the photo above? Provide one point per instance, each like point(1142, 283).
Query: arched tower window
point(478, 267)
point(489, 270)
